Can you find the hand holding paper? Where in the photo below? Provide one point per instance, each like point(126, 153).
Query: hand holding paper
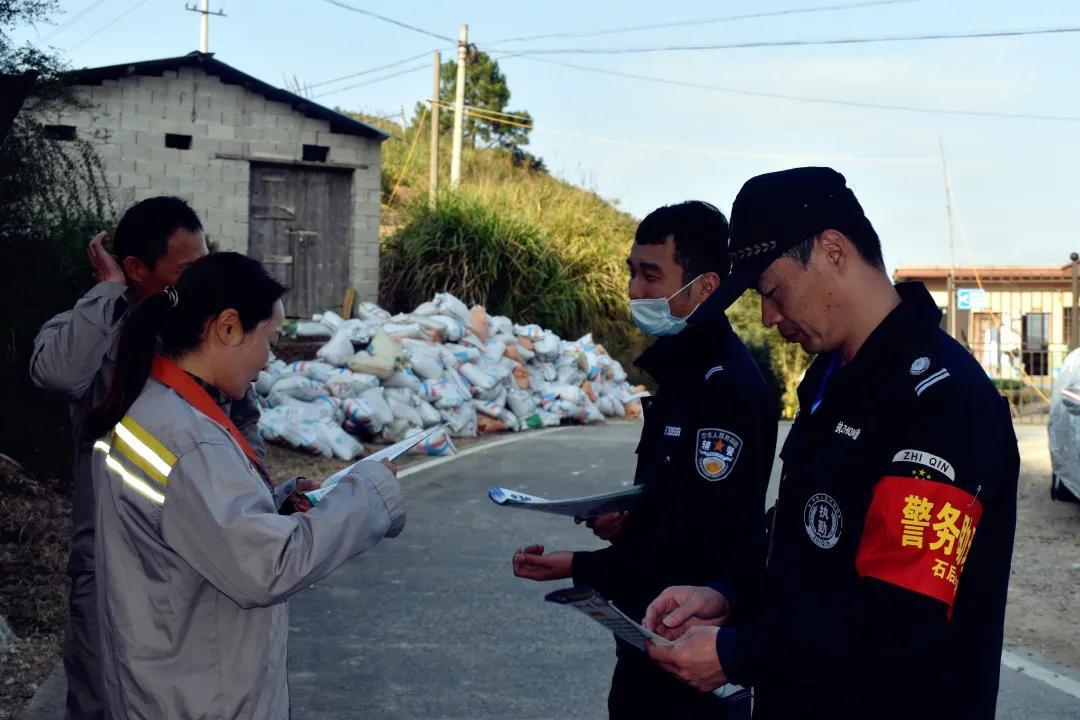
point(606, 527)
point(299, 499)
point(680, 608)
point(387, 456)
point(692, 659)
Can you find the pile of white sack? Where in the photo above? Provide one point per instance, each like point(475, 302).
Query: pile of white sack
point(382, 379)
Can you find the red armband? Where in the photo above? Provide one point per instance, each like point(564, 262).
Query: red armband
point(918, 535)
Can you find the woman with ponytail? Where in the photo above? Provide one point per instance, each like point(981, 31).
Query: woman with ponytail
point(194, 561)
point(73, 358)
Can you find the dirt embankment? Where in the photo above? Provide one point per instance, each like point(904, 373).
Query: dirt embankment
point(1044, 594)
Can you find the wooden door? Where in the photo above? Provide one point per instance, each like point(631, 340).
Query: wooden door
point(300, 228)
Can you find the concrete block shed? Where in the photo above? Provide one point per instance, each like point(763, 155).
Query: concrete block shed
point(272, 174)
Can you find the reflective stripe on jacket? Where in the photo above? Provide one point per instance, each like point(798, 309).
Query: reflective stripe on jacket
point(195, 564)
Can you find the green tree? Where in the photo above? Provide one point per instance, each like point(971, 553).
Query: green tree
point(54, 197)
point(16, 59)
point(782, 362)
point(486, 89)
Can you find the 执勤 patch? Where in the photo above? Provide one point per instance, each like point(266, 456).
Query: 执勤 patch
point(823, 520)
point(717, 452)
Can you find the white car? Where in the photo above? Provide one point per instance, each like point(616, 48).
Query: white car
point(1064, 431)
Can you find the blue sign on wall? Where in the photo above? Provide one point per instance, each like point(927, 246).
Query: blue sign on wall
point(970, 299)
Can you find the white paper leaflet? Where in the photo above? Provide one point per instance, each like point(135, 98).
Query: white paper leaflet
point(583, 507)
point(390, 453)
point(593, 604)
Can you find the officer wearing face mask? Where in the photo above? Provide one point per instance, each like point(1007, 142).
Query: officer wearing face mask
point(705, 455)
point(891, 542)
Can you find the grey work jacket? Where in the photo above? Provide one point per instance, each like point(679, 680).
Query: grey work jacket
point(194, 564)
point(74, 355)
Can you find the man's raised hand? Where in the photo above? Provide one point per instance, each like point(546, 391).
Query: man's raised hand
point(102, 264)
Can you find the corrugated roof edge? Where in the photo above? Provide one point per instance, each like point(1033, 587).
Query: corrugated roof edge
point(339, 123)
point(1018, 272)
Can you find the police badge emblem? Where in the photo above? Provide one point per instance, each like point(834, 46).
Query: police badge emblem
point(823, 520)
point(717, 452)
point(920, 366)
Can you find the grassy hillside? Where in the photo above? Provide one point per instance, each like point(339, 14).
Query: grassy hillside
point(528, 245)
point(517, 240)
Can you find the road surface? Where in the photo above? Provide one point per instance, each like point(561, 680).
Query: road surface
point(434, 625)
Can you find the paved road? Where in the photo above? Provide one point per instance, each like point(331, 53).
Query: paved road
point(434, 625)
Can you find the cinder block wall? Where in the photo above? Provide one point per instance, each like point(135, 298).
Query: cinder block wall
point(128, 119)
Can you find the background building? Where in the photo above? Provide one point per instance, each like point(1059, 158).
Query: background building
point(1015, 320)
point(272, 174)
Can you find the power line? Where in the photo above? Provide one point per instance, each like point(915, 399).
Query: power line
point(515, 116)
point(497, 120)
point(800, 43)
point(702, 21)
point(371, 70)
point(481, 114)
point(408, 158)
point(109, 24)
point(406, 71)
point(72, 20)
point(809, 99)
point(723, 152)
point(392, 21)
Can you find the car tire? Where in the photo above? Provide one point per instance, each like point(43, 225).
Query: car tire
point(1059, 492)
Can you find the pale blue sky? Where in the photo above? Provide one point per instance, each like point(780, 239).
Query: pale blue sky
point(1015, 181)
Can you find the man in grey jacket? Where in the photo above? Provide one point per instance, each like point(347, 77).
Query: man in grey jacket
point(74, 353)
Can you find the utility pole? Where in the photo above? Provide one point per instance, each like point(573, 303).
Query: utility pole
point(433, 170)
point(1074, 319)
point(459, 108)
point(204, 23)
point(951, 283)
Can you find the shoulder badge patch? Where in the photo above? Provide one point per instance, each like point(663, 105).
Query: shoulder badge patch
point(930, 380)
point(921, 457)
point(713, 371)
point(716, 453)
point(920, 366)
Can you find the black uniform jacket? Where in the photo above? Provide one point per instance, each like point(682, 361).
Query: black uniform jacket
point(892, 539)
point(705, 455)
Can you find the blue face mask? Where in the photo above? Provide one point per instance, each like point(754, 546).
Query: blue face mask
point(653, 315)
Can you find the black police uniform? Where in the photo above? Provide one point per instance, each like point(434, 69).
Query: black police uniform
point(705, 456)
point(892, 539)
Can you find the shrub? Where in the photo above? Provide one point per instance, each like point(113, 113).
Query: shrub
point(55, 199)
point(510, 266)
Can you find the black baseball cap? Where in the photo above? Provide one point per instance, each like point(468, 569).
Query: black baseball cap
point(772, 214)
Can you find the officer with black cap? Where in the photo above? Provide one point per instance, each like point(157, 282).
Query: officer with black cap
point(892, 536)
point(704, 460)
